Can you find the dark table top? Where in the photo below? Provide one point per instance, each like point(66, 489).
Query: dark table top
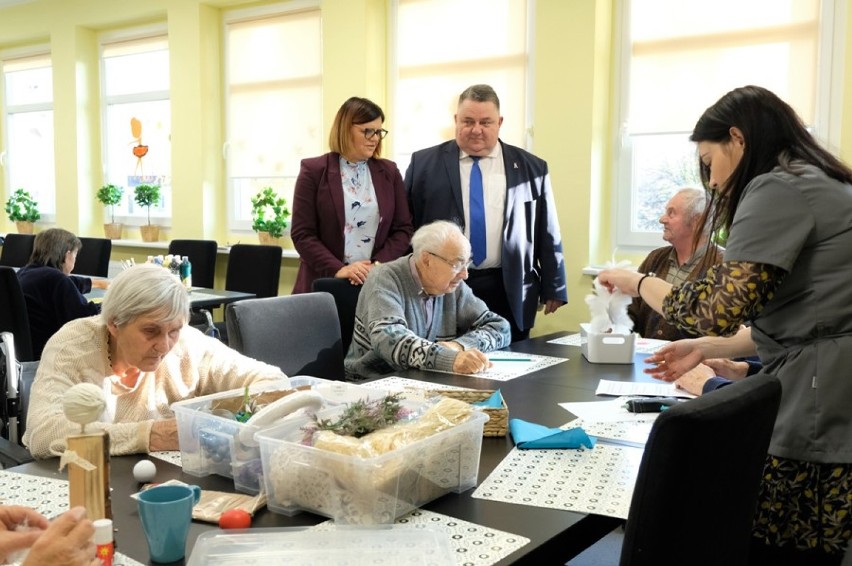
point(533, 397)
point(199, 297)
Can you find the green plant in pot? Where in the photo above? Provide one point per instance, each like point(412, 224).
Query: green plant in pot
point(269, 215)
point(22, 209)
point(110, 195)
point(148, 195)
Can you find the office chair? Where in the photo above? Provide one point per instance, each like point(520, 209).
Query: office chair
point(251, 269)
point(17, 378)
point(345, 300)
point(698, 482)
point(93, 257)
point(298, 333)
point(202, 255)
point(17, 249)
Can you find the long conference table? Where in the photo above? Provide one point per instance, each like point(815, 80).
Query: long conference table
point(555, 535)
point(199, 297)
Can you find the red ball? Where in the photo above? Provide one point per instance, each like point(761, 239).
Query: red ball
point(235, 519)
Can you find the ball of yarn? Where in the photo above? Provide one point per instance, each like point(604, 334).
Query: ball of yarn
point(83, 403)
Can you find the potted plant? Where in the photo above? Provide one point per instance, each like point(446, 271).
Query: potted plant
point(110, 195)
point(22, 209)
point(270, 215)
point(147, 195)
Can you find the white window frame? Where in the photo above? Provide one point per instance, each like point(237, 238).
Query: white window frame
point(283, 185)
point(402, 155)
point(825, 127)
point(160, 215)
point(13, 55)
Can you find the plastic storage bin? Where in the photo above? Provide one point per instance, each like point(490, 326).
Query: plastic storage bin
point(607, 348)
point(367, 491)
point(211, 444)
point(335, 546)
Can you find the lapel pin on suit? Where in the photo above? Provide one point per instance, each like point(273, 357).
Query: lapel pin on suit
point(515, 163)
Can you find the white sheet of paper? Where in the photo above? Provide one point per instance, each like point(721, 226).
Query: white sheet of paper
point(620, 388)
point(509, 365)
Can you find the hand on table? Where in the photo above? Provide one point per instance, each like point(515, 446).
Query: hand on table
point(100, 283)
point(728, 368)
point(693, 381)
point(471, 361)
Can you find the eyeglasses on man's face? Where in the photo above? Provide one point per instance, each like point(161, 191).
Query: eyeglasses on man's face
point(457, 266)
point(370, 132)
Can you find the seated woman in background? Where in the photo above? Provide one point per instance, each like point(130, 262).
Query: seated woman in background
point(140, 351)
point(53, 295)
point(349, 206)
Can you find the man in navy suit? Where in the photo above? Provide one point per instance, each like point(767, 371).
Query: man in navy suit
point(521, 265)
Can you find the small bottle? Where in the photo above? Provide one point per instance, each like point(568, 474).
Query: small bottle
point(186, 272)
point(104, 541)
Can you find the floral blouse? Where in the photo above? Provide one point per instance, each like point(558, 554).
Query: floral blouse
point(731, 293)
point(361, 211)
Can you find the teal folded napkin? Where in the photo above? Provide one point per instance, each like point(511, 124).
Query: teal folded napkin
point(495, 401)
point(530, 435)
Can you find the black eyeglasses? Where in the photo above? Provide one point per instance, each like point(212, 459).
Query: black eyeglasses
point(456, 266)
point(370, 132)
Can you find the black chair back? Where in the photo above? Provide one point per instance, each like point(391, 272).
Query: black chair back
point(254, 269)
point(298, 333)
point(13, 314)
point(17, 249)
point(202, 256)
point(345, 300)
point(93, 257)
point(698, 482)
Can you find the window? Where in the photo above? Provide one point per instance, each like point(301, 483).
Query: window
point(137, 121)
point(431, 72)
point(273, 67)
point(28, 155)
point(677, 59)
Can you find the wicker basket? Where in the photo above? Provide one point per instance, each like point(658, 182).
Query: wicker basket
point(498, 422)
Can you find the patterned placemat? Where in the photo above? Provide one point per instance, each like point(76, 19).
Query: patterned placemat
point(509, 365)
point(598, 481)
point(474, 545)
point(403, 383)
point(630, 433)
point(47, 496)
point(170, 456)
point(643, 345)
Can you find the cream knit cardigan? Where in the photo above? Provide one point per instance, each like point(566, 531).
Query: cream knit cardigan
point(197, 365)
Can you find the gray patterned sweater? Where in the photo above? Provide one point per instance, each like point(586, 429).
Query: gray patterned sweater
point(390, 325)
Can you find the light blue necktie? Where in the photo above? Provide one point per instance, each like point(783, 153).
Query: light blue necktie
point(477, 213)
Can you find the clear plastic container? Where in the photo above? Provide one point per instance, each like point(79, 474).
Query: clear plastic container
point(334, 546)
point(214, 444)
point(367, 491)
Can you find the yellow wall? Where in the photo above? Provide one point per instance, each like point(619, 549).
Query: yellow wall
point(573, 99)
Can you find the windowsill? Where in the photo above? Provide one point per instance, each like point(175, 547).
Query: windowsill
point(285, 253)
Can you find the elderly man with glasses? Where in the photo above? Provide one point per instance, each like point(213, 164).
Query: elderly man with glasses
point(417, 312)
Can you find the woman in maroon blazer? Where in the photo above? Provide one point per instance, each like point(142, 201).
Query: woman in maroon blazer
point(350, 210)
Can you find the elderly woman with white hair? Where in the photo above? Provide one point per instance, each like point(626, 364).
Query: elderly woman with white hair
point(144, 356)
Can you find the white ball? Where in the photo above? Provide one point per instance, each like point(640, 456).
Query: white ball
point(144, 471)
